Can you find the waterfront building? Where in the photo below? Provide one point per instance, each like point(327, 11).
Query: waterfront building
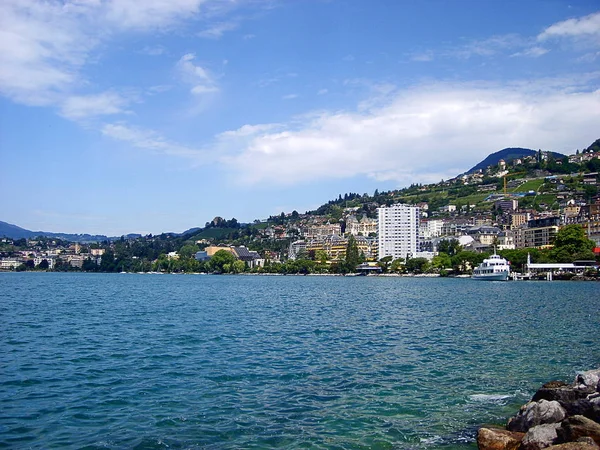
point(398, 230)
point(334, 246)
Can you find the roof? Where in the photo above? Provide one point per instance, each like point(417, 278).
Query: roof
point(243, 253)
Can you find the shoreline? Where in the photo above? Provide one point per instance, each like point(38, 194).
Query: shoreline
point(559, 416)
point(353, 275)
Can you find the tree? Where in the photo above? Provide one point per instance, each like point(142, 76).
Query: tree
point(88, 265)
point(44, 265)
point(352, 255)
point(384, 263)
point(397, 265)
point(238, 266)
point(219, 261)
point(465, 260)
point(321, 256)
point(442, 261)
point(450, 247)
point(417, 265)
point(188, 251)
point(107, 264)
point(572, 243)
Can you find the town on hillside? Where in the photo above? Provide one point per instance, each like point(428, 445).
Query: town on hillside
point(540, 206)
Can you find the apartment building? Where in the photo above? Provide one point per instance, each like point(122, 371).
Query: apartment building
point(398, 230)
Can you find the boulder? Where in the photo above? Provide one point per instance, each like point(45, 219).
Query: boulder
point(577, 427)
point(498, 439)
point(559, 391)
point(536, 413)
point(588, 380)
point(578, 445)
point(540, 436)
point(580, 407)
point(588, 440)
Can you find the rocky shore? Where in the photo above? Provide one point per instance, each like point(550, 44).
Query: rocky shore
point(560, 416)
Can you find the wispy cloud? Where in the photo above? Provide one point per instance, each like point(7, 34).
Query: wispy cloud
point(584, 31)
point(289, 97)
point(217, 30)
point(322, 91)
point(422, 57)
point(44, 45)
point(533, 52)
point(150, 140)
point(84, 106)
point(155, 50)
point(196, 76)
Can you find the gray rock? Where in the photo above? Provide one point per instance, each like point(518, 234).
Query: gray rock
point(540, 436)
point(559, 391)
point(537, 413)
point(587, 380)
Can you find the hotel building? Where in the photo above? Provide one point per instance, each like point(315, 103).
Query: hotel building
point(398, 231)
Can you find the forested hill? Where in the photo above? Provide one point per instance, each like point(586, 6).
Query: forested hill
point(15, 232)
point(508, 155)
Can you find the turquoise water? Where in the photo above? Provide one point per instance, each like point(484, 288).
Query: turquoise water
point(222, 362)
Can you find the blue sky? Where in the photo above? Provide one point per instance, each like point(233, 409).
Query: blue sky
point(149, 116)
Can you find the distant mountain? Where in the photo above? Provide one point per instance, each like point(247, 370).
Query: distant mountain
point(508, 155)
point(15, 232)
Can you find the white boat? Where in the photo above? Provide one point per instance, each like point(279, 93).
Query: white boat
point(494, 268)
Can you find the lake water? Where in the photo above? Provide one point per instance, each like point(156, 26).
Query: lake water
point(224, 362)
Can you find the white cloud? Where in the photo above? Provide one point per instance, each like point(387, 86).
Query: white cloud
point(488, 47)
point(533, 52)
point(289, 97)
point(583, 27)
point(247, 131)
point(422, 57)
point(148, 14)
point(150, 140)
point(81, 107)
point(422, 134)
point(322, 91)
point(217, 30)
point(198, 77)
point(155, 50)
point(42, 48)
point(44, 44)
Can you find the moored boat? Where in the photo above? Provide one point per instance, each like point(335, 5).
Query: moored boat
point(494, 268)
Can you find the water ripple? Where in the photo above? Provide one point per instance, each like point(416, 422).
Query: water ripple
point(110, 361)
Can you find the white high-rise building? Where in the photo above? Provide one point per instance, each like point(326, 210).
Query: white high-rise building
point(398, 231)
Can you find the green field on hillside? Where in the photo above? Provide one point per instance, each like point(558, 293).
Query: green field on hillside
point(531, 185)
point(547, 199)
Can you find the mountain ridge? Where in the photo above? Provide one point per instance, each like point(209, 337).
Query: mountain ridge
point(12, 231)
point(508, 154)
